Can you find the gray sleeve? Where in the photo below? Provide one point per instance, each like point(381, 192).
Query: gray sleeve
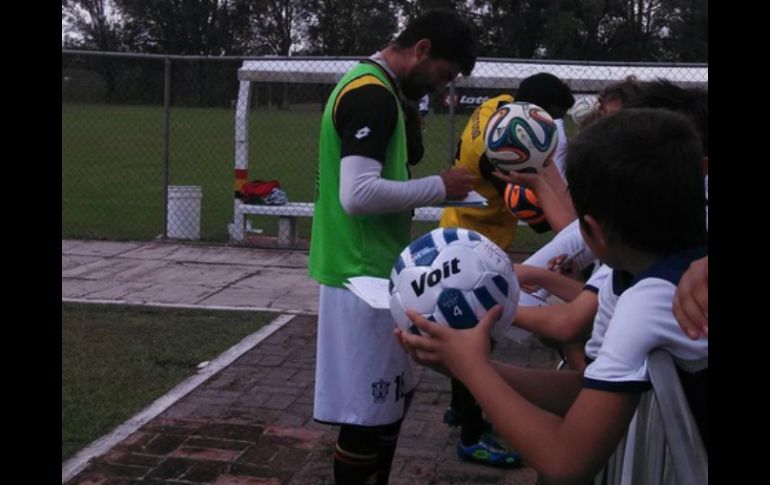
point(363, 191)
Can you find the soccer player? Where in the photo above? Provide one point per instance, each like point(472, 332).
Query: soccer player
point(498, 224)
point(361, 222)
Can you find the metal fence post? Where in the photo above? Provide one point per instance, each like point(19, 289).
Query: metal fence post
point(685, 445)
point(166, 136)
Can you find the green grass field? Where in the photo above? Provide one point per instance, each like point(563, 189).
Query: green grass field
point(112, 166)
point(116, 360)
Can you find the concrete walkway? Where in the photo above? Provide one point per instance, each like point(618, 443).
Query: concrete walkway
point(251, 422)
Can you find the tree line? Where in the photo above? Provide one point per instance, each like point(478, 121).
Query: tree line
point(612, 30)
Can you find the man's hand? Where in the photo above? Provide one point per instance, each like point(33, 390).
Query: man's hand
point(691, 300)
point(458, 181)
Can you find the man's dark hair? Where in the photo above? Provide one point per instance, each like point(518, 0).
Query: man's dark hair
point(451, 36)
point(691, 102)
point(639, 173)
point(547, 91)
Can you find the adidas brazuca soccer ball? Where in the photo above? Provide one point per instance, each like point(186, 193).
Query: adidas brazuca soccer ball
point(582, 108)
point(520, 137)
point(522, 202)
point(453, 276)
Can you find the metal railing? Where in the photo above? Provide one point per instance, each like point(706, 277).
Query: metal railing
point(663, 445)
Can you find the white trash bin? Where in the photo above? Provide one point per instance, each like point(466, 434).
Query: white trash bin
point(183, 215)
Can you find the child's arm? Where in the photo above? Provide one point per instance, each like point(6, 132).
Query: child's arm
point(559, 186)
point(558, 214)
point(568, 448)
point(560, 285)
point(564, 323)
point(564, 449)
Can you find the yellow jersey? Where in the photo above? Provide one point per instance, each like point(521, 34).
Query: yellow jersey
point(494, 221)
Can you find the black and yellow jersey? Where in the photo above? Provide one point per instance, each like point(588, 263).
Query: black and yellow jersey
point(494, 221)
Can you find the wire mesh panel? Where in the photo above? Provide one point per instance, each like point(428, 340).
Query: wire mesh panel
point(112, 147)
point(134, 127)
point(203, 95)
point(124, 152)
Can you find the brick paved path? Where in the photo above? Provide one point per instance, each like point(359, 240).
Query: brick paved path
point(252, 424)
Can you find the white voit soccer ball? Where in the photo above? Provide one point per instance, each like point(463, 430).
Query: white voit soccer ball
point(453, 276)
point(520, 137)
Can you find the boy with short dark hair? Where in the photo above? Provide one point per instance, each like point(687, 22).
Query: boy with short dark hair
point(645, 220)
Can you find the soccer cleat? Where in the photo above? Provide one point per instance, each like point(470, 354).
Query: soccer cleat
point(488, 452)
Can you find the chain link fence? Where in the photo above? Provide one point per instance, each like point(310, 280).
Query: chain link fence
point(158, 146)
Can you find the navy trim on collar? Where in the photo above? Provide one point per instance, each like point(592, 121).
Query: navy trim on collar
point(591, 288)
point(619, 386)
point(621, 281)
point(672, 267)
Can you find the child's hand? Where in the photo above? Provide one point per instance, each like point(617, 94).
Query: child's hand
point(567, 268)
point(459, 351)
point(691, 300)
point(410, 343)
point(555, 263)
point(532, 180)
point(527, 277)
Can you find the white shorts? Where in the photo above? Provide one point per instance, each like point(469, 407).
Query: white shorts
point(362, 373)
